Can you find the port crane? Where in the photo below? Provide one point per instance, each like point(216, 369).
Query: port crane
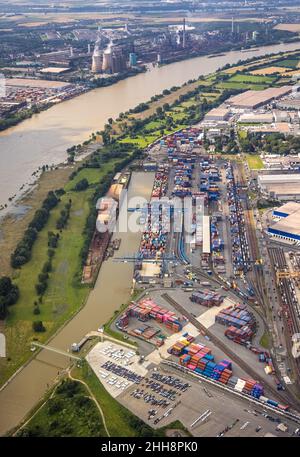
point(163, 259)
point(287, 275)
point(140, 258)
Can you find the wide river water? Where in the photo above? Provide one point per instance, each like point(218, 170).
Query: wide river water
point(44, 139)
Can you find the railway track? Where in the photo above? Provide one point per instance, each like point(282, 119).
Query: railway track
point(254, 253)
point(285, 398)
point(288, 305)
point(286, 290)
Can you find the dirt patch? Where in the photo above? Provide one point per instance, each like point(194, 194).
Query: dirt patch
point(59, 310)
point(269, 71)
point(176, 433)
point(79, 212)
point(63, 267)
point(289, 27)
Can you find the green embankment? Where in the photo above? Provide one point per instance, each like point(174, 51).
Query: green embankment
point(64, 294)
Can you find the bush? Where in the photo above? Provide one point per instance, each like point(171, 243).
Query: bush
point(55, 406)
point(9, 294)
point(81, 185)
point(41, 288)
point(38, 327)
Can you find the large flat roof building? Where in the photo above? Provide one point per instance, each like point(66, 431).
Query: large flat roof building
point(288, 225)
point(218, 115)
point(282, 187)
point(206, 248)
point(256, 118)
point(252, 99)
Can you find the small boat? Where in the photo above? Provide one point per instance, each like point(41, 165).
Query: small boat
point(215, 55)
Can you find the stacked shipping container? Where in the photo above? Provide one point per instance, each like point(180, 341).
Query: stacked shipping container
point(241, 323)
point(206, 298)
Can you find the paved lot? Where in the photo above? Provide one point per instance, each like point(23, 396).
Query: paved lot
point(120, 357)
point(200, 398)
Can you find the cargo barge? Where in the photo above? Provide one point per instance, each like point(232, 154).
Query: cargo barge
point(215, 55)
point(101, 247)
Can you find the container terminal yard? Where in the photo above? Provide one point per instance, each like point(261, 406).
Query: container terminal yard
point(203, 308)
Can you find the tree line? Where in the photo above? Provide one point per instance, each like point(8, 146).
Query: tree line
point(22, 253)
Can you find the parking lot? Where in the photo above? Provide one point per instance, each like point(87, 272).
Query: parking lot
point(116, 367)
point(220, 413)
point(159, 395)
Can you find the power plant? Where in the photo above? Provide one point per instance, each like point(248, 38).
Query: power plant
point(97, 58)
point(183, 35)
point(107, 59)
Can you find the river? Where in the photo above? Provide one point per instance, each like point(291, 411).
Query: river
point(44, 138)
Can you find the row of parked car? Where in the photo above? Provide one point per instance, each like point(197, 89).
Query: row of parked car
point(122, 372)
point(149, 398)
point(171, 381)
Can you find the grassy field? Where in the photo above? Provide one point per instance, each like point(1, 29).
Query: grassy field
point(69, 413)
point(93, 175)
point(265, 341)
point(64, 294)
point(255, 162)
point(242, 134)
point(289, 63)
point(253, 79)
point(241, 86)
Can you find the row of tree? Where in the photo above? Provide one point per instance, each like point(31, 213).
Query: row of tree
point(22, 253)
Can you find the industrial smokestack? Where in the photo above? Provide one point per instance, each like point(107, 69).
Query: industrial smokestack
point(183, 34)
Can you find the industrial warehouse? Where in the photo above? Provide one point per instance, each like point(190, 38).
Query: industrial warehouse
point(288, 226)
point(253, 99)
point(272, 186)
